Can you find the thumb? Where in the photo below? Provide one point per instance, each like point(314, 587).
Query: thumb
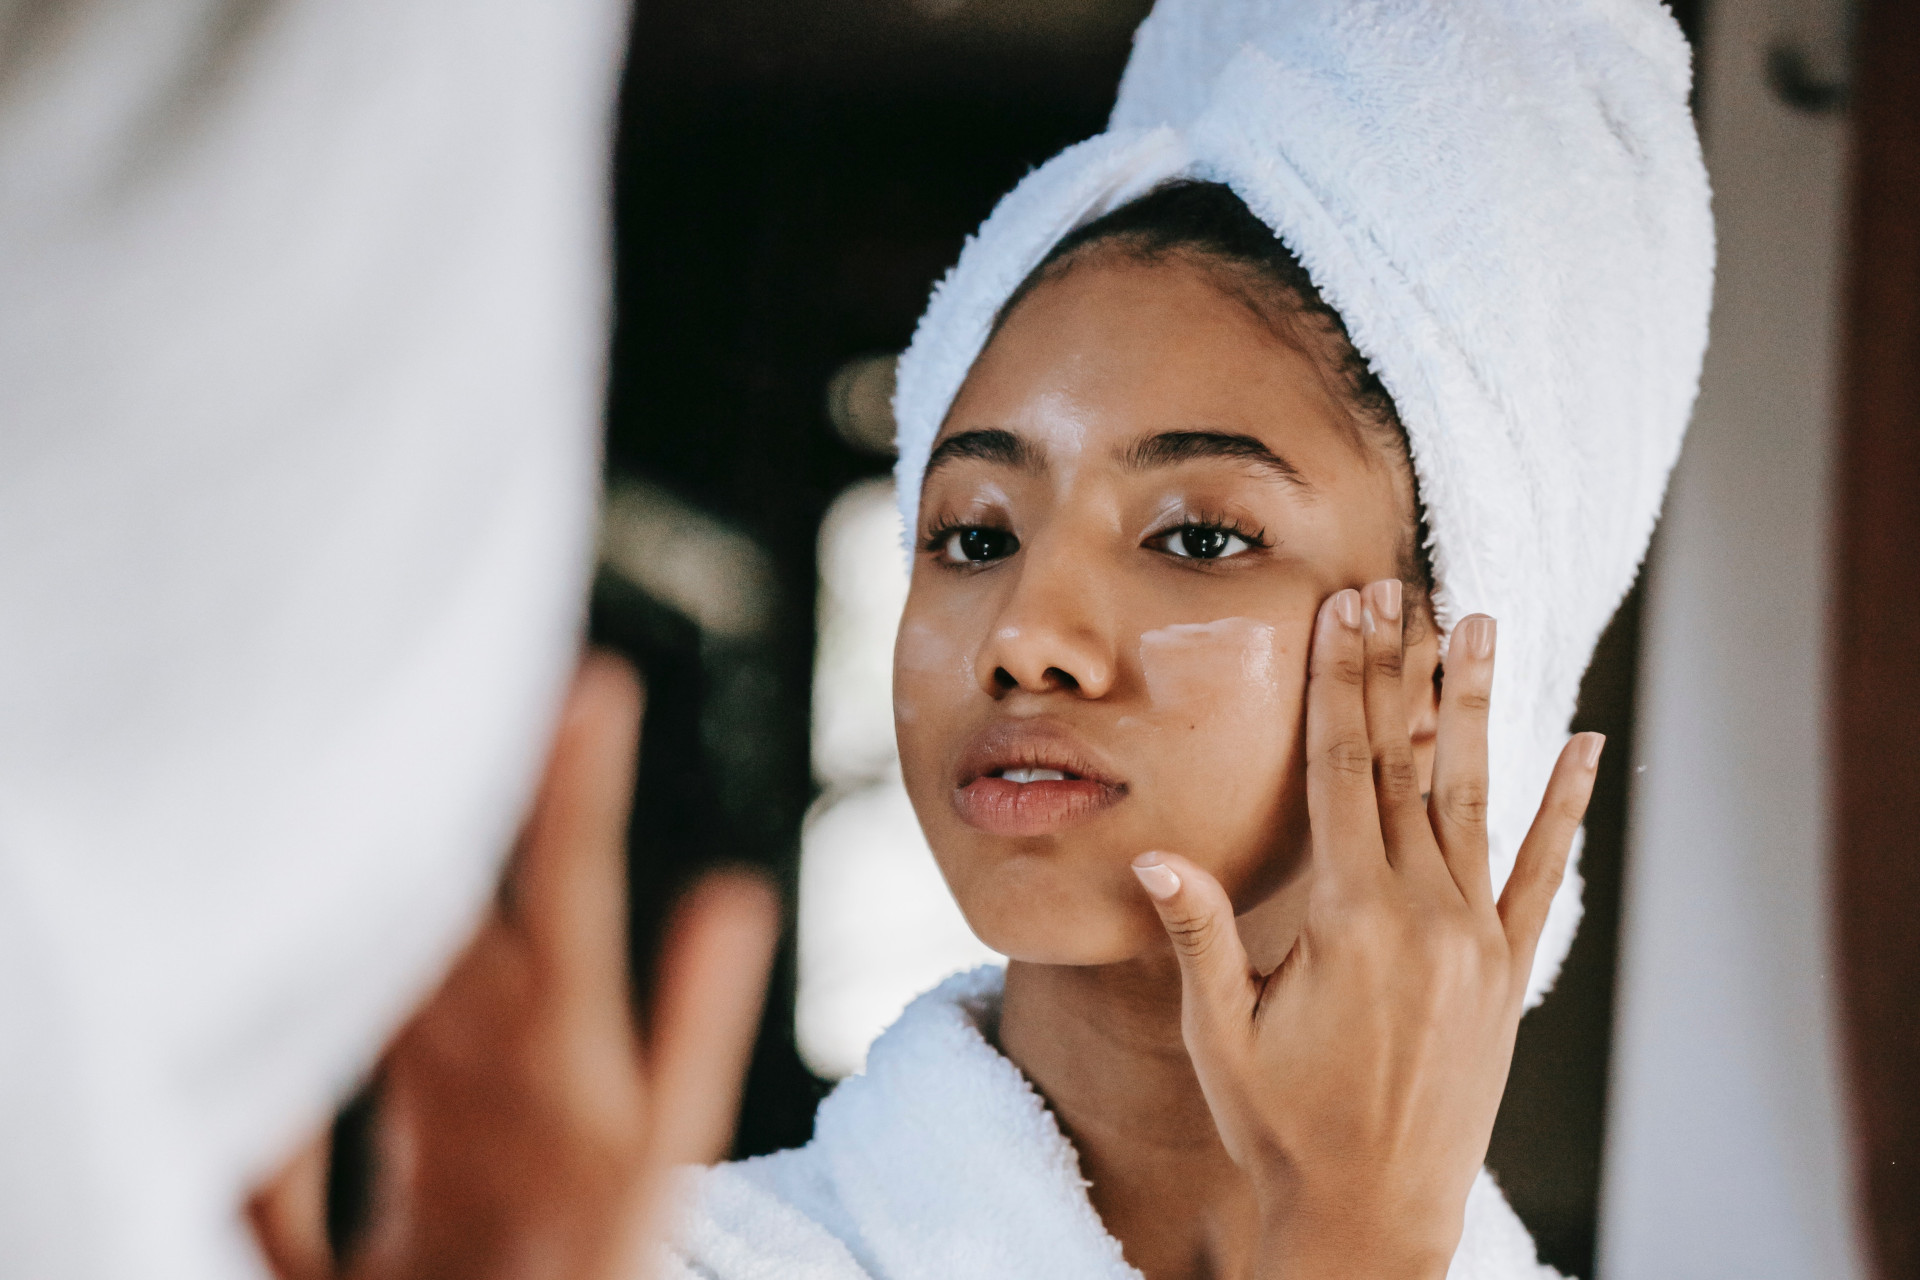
point(1215, 976)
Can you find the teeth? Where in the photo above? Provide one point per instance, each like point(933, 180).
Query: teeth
point(1024, 776)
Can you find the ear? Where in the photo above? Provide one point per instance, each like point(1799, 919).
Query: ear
point(1421, 683)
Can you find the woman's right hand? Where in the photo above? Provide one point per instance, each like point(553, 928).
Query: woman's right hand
point(1357, 1084)
point(524, 1125)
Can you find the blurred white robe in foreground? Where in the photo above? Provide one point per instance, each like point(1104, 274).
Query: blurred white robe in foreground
point(302, 318)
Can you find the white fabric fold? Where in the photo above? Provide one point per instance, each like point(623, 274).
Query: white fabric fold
point(941, 1162)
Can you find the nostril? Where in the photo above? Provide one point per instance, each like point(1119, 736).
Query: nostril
point(1053, 679)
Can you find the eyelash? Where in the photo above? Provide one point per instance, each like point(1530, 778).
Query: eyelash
point(1255, 539)
point(942, 532)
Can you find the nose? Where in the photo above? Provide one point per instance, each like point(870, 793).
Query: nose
point(1053, 630)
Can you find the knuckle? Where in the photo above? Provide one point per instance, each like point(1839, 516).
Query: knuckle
point(1344, 666)
point(1348, 755)
point(1475, 701)
point(1465, 803)
point(1370, 923)
point(1452, 956)
point(1550, 876)
point(1388, 661)
point(1395, 775)
point(1193, 935)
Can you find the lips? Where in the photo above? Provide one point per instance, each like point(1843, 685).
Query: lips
point(1030, 778)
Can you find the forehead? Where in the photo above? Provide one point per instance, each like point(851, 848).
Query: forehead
point(1116, 347)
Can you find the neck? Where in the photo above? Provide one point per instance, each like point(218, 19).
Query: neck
point(1102, 1045)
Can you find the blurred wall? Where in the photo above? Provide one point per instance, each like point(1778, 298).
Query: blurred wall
point(1726, 1153)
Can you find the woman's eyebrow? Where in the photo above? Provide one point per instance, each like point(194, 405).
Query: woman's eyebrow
point(1170, 447)
point(987, 445)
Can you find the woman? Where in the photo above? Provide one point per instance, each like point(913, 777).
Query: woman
point(1230, 428)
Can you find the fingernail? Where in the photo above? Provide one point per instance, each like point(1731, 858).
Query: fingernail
point(1385, 596)
point(1367, 626)
point(1590, 750)
point(1156, 877)
point(1346, 605)
point(1478, 631)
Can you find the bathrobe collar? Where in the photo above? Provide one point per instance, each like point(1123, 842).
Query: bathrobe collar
point(941, 1162)
point(957, 1115)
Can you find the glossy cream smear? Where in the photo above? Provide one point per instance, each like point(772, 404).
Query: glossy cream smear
point(1209, 669)
point(923, 649)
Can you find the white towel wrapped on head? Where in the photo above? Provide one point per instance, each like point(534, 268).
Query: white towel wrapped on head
point(1505, 202)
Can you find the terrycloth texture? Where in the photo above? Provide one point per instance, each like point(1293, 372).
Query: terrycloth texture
point(942, 1163)
point(302, 321)
point(1505, 201)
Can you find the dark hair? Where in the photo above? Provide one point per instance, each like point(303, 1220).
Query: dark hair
point(1210, 225)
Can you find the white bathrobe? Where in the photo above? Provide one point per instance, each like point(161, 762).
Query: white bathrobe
point(940, 1162)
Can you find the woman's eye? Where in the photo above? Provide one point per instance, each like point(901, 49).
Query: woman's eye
point(1202, 542)
point(978, 545)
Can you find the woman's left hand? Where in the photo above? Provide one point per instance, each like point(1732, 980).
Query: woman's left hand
point(1357, 1083)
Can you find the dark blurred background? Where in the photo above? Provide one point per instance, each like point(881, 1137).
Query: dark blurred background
point(792, 179)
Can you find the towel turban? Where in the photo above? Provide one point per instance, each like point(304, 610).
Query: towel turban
point(1505, 202)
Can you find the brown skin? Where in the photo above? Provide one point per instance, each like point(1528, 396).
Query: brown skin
point(1235, 1112)
point(525, 1122)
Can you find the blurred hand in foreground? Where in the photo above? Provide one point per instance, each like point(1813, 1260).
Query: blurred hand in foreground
point(524, 1125)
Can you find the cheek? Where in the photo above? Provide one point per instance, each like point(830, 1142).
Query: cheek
point(1229, 677)
point(1223, 704)
point(1216, 671)
point(932, 674)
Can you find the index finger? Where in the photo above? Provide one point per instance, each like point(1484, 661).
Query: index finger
point(1341, 806)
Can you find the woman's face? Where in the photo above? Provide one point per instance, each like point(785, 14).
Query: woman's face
point(1138, 501)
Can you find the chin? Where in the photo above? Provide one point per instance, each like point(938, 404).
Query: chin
point(1036, 910)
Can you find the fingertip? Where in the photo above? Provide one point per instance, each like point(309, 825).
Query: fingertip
point(568, 871)
point(605, 684)
point(1590, 746)
point(1159, 880)
point(1381, 624)
point(739, 904)
point(720, 941)
point(734, 909)
point(1477, 633)
point(1341, 612)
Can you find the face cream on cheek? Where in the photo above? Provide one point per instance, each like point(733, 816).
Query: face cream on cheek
point(924, 652)
point(1208, 669)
